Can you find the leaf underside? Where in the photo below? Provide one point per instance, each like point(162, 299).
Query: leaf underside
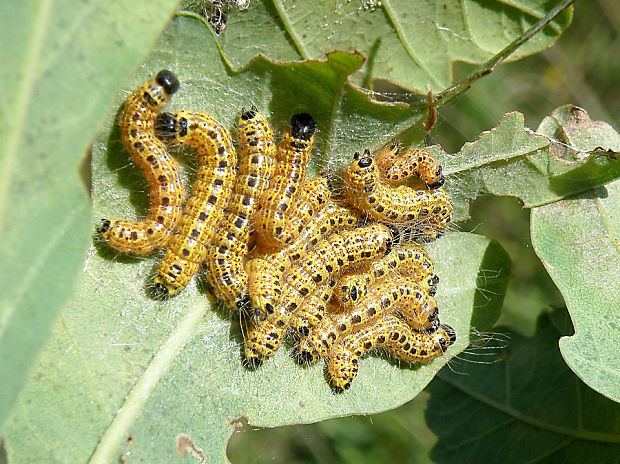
point(407, 43)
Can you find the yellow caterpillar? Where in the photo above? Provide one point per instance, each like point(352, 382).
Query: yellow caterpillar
point(330, 257)
point(395, 168)
point(210, 193)
point(365, 191)
point(266, 273)
point(399, 340)
point(273, 224)
point(311, 198)
point(160, 169)
point(312, 311)
point(384, 297)
point(225, 261)
point(408, 260)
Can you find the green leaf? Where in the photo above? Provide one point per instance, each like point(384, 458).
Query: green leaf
point(62, 63)
point(408, 43)
point(578, 242)
point(558, 160)
point(529, 408)
point(137, 374)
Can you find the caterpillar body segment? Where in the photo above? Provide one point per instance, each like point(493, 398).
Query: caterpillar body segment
point(312, 197)
point(435, 214)
point(399, 340)
point(312, 311)
point(330, 257)
point(421, 347)
point(385, 297)
point(261, 341)
point(160, 169)
point(409, 260)
point(265, 278)
point(395, 168)
point(225, 261)
point(430, 210)
point(343, 360)
point(266, 273)
point(290, 171)
point(210, 194)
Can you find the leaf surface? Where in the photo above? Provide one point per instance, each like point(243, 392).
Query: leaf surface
point(61, 66)
point(408, 43)
point(539, 167)
point(577, 241)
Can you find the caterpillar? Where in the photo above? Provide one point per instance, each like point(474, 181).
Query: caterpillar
point(210, 193)
point(384, 297)
point(266, 273)
point(328, 258)
point(314, 307)
point(160, 169)
point(312, 196)
point(225, 260)
point(395, 168)
point(272, 221)
point(407, 260)
point(399, 340)
point(365, 192)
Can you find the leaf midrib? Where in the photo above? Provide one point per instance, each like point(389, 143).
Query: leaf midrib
point(291, 31)
point(146, 383)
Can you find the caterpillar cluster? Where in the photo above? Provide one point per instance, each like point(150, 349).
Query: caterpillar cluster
point(340, 273)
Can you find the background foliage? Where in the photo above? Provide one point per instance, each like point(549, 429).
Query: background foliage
point(80, 329)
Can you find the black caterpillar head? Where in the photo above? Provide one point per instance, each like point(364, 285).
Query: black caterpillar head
point(168, 80)
point(166, 126)
point(365, 161)
point(248, 114)
point(303, 126)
